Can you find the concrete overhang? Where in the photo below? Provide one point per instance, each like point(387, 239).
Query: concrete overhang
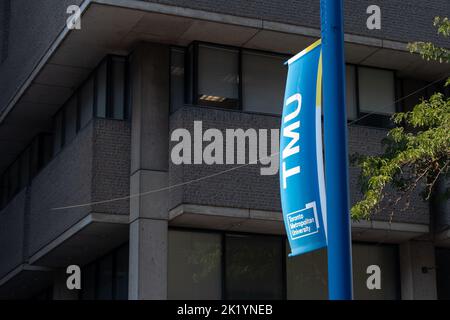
point(90, 238)
point(116, 26)
point(25, 281)
point(271, 222)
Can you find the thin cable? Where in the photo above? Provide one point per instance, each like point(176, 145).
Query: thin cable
point(400, 99)
point(168, 188)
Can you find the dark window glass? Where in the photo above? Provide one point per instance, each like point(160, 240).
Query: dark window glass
point(264, 80)
point(101, 90)
point(118, 88)
point(176, 79)
point(86, 103)
point(254, 267)
point(384, 256)
point(121, 274)
point(70, 120)
point(194, 265)
point(218, 77)
point(443, 273)
point(307, 276)
point(88, 283)
point(107, 278)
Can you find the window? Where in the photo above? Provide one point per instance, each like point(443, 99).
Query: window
point(376, 96)
point(264, 80)
point(350, 94)
point(215, 265)
point(86, 103)
point(107, 278)
point(176, 79)
point(307, 276)
point(101, 90)
point(58, 132)
point(218, 77)
point(254, 268)
point(384, 256)
point(194, 265)
point(104, 94)
point(70, 120)
point(117, 90)
point(443, 273)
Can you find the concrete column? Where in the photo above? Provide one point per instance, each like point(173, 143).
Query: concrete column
point(418, 270)
point(60, 291)
point(149, 66)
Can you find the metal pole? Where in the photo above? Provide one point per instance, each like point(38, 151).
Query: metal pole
point(336, 155)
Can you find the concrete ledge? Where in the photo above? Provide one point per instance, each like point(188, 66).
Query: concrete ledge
point(92, 236)
point(383, 231)
point(226, 218)
point(271, 222)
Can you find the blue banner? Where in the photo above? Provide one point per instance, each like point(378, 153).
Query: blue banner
point(302, 184)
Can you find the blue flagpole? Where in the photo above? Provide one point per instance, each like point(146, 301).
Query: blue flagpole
point(336, 155)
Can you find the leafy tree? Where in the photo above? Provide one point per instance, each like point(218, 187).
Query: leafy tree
point(416, 152)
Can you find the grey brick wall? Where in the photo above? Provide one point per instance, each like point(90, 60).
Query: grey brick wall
point(367, 141)
point(12, 219)
point(65, 181)
point(111, 179)
point(245, 187)
point(401, 20)
point(94, 166)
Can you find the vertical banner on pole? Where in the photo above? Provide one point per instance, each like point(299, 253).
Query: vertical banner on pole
point(301, 162)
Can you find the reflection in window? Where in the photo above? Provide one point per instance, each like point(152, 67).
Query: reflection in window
point(106, 278)
point(307, 276)
point(376, 91)
point(264, 80)
point(254, 267)
point(443, 273)
point(194, 265)
point(86, 101)
point(176, 79)
point(384, 256)
point(218, 80)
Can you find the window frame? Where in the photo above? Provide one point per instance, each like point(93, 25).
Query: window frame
point(374, 119)
point(284, 240)
point(223, 234)
point(191, 79)
point(191, 53)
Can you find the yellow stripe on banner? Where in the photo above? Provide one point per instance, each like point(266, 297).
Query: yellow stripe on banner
point(304, 51)
point(319, 83)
